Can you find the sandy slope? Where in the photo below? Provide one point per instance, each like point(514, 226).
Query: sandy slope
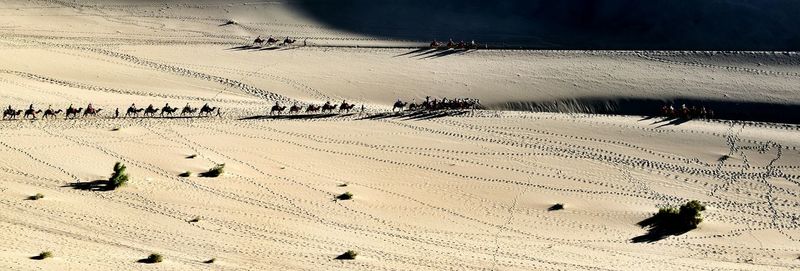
point(466, 192)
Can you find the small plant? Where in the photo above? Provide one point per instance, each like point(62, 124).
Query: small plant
point(210, 261)
point(214, 172)
point(191, 156)
point(672, 221)
point(186, 174)
point(119, 178)
point(556, 207)
point(345, 196)
point(153, 258)
point(349, 255)
point(115, 129)
point(43, 255)
point(195, 220)
point(38, 196)
point(343, 185)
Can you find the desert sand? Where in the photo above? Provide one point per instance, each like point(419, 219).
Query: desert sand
point(467, 191)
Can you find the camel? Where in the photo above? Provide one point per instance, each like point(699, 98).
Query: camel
point(168, 110)
point(31, 113)
point(150, 111)
point(328, 108)
point(277, 109)
point(72, 113)
point(400, 105)
point(91, 112)
point(11, 113)
point(207, 110)
point(132, 111)
point(188, 110)
point(346, 107)
point(50, 113)
point(258, 41)
point(295, 109)
point(288, 41)
point(313, 108)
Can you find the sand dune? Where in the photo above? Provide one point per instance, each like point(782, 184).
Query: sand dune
point(432, 191)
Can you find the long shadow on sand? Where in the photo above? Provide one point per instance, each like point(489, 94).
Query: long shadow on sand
point(99, 185)
point(657, 230)
point(292, 117)
point(417, 115)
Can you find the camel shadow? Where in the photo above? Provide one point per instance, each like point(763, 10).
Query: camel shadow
point(417, 51)
point(673, 122)
point(445, 53)
point(242, 48)
point(291, 117)
point(658, 229)
point(98, 185)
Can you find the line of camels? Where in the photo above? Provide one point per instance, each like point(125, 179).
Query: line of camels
point(90, 111)
point(345, 107)
point(208, 111)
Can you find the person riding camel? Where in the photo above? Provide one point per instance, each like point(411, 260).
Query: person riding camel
point(90, 108)
point(150, 107)
point(133, 107)
point(70, 108)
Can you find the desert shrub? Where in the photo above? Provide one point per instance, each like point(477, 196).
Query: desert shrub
point(556, 207)
point(216, 171)
point(343, 185)
point(154, 258)
point(345, 196)
point(43, 255)
point(195, 220)
point(685, 217)
point(212, 260)
point(38, 196)
point(191, 156)
point(186, 174)
point(119, 177)
point(349, 255)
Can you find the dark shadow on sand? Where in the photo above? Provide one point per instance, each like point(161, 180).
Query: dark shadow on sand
point(99, 185)
point(788, 113)
point(657, 230)
point(292, 117)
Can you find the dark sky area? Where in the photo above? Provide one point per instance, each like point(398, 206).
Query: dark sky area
point(574, 24)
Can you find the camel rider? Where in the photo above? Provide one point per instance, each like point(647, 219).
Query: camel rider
point(133, 106)
point(70, 108)
point(150, 107)
point(30, 107)
point(90, 108)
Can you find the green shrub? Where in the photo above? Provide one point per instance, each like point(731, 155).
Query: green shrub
point(216, 171)
point(119, 177)
point(38, 196)
point(349, 255)
point(345, 196)
point(186, 174)
point(154, 258)
point(43, 255)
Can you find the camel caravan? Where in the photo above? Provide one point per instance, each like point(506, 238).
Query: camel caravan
point(437, 104)
point(686, 112)
point(90, 111)
point(271, 41)
point(344, 107)
point(455, 45)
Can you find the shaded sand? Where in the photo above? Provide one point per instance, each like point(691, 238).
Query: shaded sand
point(467, 191)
